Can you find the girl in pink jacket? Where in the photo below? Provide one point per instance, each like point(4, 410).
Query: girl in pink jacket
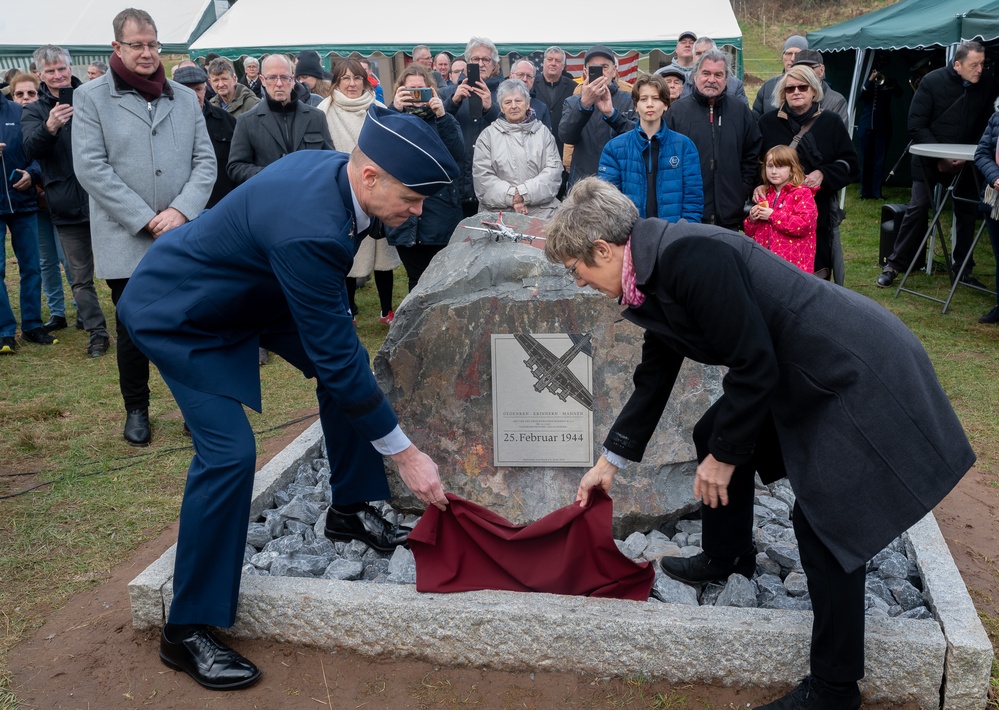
point(785, 221)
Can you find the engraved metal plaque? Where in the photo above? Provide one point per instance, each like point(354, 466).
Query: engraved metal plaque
point(542, 399)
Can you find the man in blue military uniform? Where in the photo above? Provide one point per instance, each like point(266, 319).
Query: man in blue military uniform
point(253, 272)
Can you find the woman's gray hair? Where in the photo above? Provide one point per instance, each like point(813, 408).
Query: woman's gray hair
point(509, 86)
point(593, 209)
point(481, 42)
point(801, 72)
point(50, 54)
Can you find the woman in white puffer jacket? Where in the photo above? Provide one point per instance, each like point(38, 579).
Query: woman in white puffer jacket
point(516, 164)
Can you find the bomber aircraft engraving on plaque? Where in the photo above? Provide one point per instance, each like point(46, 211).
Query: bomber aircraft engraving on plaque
point(542, 399)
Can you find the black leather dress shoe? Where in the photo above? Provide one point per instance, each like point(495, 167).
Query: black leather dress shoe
point(55, 323)
point(209, 661)
point(137, 427)
point(367, 526)
point(815, 694)
point(702, 568)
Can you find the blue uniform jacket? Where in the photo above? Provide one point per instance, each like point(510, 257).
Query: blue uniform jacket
point(13, 157)
point(269, 260)
point(626, 161)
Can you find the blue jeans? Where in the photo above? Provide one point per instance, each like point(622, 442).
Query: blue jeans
point(23, 228)
point(49, 257)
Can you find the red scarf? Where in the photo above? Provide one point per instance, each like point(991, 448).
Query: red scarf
point(150, 87)
point(630, 295)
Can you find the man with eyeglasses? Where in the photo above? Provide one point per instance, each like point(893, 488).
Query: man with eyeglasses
point(727, 138)
point(142, 153)
point(595, 114)
point(765, 96)
point(277, 126)
point(48, 138)
point(475, 107)
point(524, 70)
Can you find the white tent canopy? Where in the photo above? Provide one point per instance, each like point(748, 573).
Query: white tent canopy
point(84, 26)
point(391, 26)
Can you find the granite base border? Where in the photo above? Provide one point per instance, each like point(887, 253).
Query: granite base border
point(922, 661)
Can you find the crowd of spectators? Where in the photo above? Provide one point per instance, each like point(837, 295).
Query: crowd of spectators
point(693, 150)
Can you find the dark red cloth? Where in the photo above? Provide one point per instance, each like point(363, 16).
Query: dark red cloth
point(570, 551)
point(150, 87)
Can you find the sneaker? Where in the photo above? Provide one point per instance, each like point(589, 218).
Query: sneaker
point(887, 277)
point(38, 336)
point(98, 346)
point(815, 694)
point(386, 319)
point(701, 568)
point(8, 345)
point(55, 323)
point(990, 317)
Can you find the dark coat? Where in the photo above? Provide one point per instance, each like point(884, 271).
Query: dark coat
point(944, 110)
point(259, 140)
point(553, 96)
point(198, 305)
point(626, 163)
point(471, 128)
point(68, 201)
point(221, 125)
point(985, 154)
point(729, 148)
point(869, 439)
point(588, 133)
point(828, 148)
point(14, 157)
point(442, 210)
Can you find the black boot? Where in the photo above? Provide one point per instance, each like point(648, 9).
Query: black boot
point(137, 427)
point(816, 694)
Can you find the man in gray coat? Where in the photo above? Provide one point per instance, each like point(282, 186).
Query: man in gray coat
point(142, 153)
point(277, 126)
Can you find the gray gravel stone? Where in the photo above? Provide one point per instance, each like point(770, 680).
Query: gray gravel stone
point(787, 556)
point(301, 509)
point(666, 589)
point(658, 548)
point(346, 570)
point(689, 526)
point(258, 535)
point(285, 545)
point(298, 566)
point(905, 594)
point(873, 601)
point(320, 546)
point(633, 546)
point(690, 551)
point(876, 586)
point(796, 584)
point(767, 566)
point(779, 508)
point(739, 592)
point(789, 603)
point(895, 565)
point(375, 569)
point(920, 612)
point(402, 567)
point(710, 594)
point(768, 587)
point(680, 539)
point(263, 560)
point(694, 539)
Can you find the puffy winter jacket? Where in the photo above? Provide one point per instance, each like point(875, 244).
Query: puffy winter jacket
point(13, 158)
point(521, 157)
point(626, 162)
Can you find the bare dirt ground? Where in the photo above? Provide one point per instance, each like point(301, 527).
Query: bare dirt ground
point(87, 655)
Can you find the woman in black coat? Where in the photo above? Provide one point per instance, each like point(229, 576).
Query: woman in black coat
point(824, 148)
point(822, 385)
point(418, 239)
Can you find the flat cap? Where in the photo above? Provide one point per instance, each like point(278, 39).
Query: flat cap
point(599, 50)
point(809, 57)
point(190, 76)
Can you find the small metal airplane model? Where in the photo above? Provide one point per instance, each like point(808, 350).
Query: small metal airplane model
point(498, 231)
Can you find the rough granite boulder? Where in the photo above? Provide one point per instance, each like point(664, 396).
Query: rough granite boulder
point(435, 368)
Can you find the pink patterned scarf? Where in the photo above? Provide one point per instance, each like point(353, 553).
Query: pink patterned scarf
point(630, 295)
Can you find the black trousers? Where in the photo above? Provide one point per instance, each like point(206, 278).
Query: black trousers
point(416, 259)
point(838, 597)
point(133, 366)
point(916, 219)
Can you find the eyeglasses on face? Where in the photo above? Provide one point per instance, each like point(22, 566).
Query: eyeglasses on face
point(279, 78)
point(22, 94)
point(140, 46)
point(796, 88)
point(481, 60)
point(570, 271)
point(522, 75)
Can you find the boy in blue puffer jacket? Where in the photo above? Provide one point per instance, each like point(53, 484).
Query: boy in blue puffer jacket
point(656, 168)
